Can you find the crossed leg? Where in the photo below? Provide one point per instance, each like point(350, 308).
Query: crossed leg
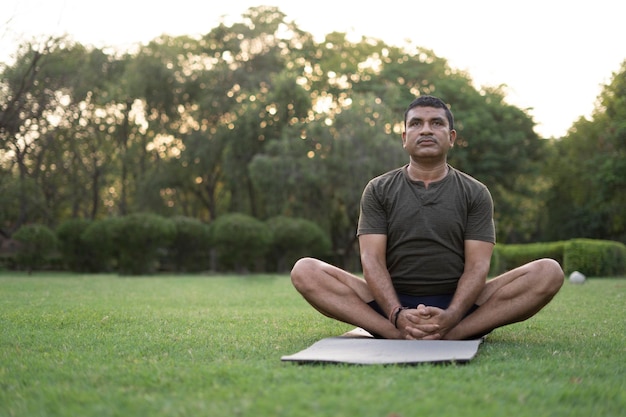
point(339, 295)
point(512, 297)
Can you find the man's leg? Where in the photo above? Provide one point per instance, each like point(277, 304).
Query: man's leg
point(339, 295)
point(514, 296)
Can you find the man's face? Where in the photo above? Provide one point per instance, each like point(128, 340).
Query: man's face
point(427, 133)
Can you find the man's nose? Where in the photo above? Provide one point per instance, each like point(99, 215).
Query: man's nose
point(426, 128)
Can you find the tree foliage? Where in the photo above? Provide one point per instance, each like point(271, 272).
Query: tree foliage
point(588, 170)
point(259, 118)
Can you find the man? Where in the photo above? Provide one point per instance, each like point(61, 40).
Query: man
point(426, 236)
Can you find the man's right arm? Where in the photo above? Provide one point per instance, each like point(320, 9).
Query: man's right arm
point(373, 248)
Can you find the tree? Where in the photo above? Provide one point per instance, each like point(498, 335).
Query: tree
point(320, 174)
point(28, 96)
point(255, 117)
point(54, 136)
point(588, 172)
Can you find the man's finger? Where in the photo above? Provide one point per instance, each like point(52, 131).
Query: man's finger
point(423, 336)
point(422, 330)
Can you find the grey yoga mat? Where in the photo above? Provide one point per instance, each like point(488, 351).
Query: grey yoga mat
point(358, 347)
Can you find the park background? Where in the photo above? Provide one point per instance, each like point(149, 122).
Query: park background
point(252, 143)
point(246, 146)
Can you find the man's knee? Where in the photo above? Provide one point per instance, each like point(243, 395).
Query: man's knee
point(550, 274)
point(303, 271)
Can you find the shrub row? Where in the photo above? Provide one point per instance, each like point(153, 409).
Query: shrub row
point(143, 243)
point(595, 258)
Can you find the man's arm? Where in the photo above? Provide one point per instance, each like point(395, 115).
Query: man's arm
point(373, 248)
point(470, 286)
point(472, 282)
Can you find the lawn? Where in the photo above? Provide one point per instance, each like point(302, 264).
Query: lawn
point(103, 345)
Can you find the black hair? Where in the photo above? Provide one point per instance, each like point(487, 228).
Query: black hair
point(430, 101)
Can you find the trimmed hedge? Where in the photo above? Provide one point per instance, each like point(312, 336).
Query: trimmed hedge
point(596, 258)
point(78, 255)
point(294, 238)
point(190, 247)
point(506, 257)
point(135, 244)
point(100, 237)
point(130, 244)
point(140, 239)
point(37, 244)
point(241, 242)
point(599, 258)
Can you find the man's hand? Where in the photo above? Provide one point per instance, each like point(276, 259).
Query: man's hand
point(426, 323)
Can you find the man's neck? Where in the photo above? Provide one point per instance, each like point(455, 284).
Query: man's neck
point(427, 173)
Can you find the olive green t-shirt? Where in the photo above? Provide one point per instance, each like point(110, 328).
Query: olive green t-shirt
point(426, 227)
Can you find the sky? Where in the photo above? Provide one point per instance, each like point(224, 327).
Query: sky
point(553, 56)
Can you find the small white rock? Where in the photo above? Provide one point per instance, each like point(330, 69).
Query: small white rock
point(577, 277)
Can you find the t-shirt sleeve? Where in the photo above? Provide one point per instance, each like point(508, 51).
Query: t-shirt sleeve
point(372, 215)
point(480, 225)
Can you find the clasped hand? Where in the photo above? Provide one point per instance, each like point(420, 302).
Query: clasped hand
point(425, 322)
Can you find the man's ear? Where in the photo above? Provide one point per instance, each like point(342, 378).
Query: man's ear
point(452, 138)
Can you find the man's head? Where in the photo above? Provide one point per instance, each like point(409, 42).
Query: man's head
point(430, 101)
point(428, 130)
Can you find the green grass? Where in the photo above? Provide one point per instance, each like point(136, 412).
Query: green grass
point(102, 345)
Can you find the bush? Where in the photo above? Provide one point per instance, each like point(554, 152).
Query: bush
point(189, 249)
point(589, 256)
point(140, 237)
point(241, 241)
point(101, 238)
point(130, 244)
point(37, 243)
point(78, 255)
point(598, 258)
point(294, 238)
point(506, 257)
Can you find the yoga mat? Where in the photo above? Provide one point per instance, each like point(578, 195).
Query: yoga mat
point(358, 347)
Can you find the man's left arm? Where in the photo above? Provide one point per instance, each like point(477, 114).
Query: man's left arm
point(470, 285)
point(478, 246)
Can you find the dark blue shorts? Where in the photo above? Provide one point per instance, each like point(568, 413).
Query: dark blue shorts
point(412, 301)
point(442, 301)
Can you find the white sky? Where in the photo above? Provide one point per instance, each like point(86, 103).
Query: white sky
point(554, 55)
